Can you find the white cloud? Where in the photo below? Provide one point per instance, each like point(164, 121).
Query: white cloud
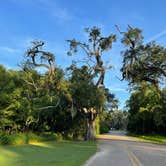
point(19, 48)
point(50, 7)
point(8, 66)
point(62, 14)
point(26, 42)
point(55, 10)
point(9, 49)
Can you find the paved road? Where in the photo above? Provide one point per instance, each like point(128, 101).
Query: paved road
point(116, 149)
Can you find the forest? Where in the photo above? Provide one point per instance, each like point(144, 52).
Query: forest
point(43, 99)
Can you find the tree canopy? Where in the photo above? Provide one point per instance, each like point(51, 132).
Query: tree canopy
point(142, 61)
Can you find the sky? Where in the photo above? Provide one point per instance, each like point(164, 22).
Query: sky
point(55, 21)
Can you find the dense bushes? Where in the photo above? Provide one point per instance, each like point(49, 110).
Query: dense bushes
point(32, 102)
point(25, 138)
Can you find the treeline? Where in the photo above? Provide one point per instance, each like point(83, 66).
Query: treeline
point(144, 67)
point(30, 101)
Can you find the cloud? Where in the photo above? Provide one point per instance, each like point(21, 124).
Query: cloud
point(156, 36)
point(19, 48)
point(9, 49)
point(26, 42)
point(55, 10)
point(7, 66)
point(50, 7)
point(117, 89)
point(63, 14)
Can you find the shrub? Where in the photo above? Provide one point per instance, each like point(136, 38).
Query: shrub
point(51, 136)
point(25, 138)
point(5, 139)
point(19, 138)
point(104, 128)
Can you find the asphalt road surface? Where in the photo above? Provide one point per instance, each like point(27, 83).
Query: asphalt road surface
point(117, 149)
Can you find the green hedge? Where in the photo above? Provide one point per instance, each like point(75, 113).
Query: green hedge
point(25, 138)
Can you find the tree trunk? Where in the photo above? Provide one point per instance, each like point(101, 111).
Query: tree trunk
point(90, 130)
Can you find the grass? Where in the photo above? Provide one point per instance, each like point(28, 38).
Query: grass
point(65, 153)
point(152, 138)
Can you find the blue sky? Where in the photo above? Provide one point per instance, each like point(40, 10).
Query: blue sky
point(54, 21)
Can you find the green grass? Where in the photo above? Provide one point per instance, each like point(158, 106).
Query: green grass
point(65, 153)
point(152, 138)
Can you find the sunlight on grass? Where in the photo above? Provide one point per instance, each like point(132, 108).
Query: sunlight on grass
point(65, 153)
point(6, 157)
point(41, 144)
point(157, 138)
point(151, 138)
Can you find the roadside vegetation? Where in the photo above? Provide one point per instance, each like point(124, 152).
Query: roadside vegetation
point(27, 138)
point(144, 67)
point(154, 138)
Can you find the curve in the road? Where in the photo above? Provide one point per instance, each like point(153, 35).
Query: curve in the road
point(117, 149)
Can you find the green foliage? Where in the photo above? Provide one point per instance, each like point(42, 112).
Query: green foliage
point(97, 125)
point(50, 101)
point(104, 128)
point(144, 67)
point(142, 62)
point(4, 139)
point(118, 119)
point(33, 102)
point(81, 83)
point(25, 138)
point(87, 98)
point(154, 138)
point(146, 110)
point(113, 119)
